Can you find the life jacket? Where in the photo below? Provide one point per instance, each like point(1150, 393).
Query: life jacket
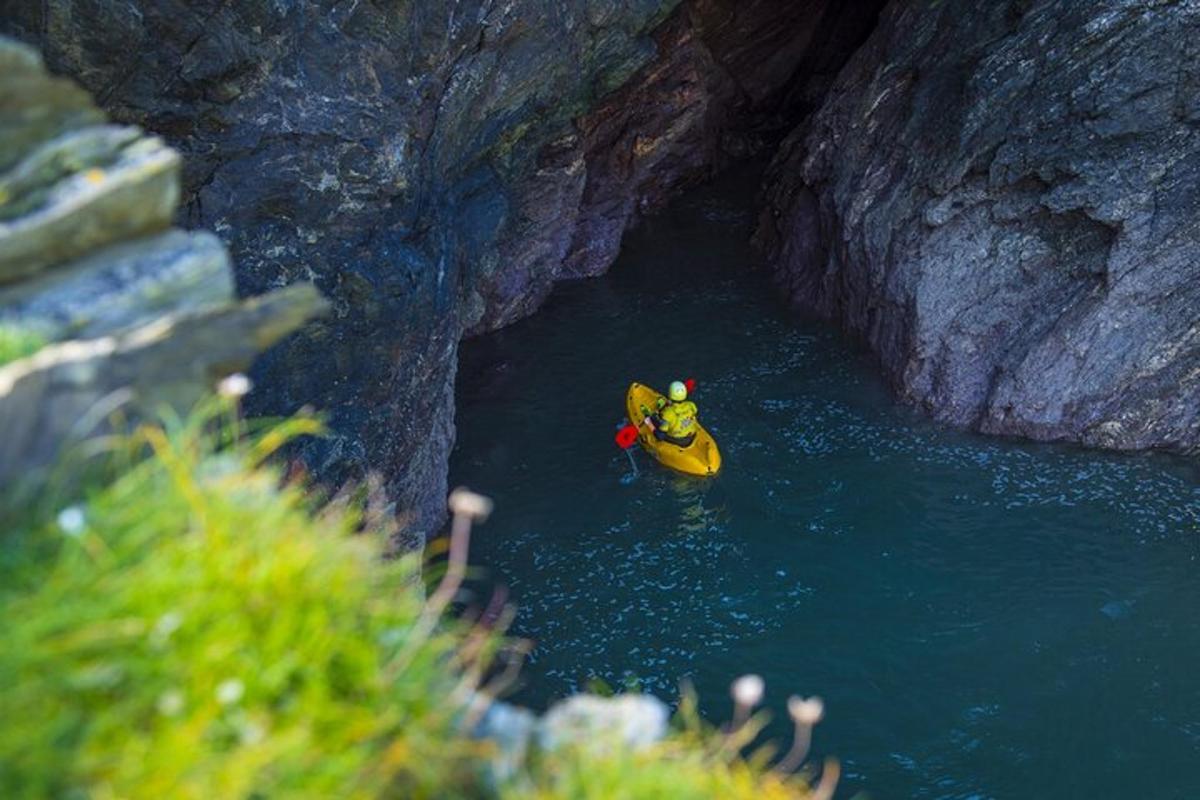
point(679, 419)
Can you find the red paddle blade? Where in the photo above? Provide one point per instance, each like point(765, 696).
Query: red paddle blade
point(690, 383)
point(627, 437)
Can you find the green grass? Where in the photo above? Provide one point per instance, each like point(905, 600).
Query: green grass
point(17, 343)
point(195, 627)
point(203, 634)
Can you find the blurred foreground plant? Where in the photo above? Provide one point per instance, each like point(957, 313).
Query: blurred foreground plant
point(195, 628)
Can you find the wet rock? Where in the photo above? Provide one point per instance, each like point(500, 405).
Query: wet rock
point(1003, 201)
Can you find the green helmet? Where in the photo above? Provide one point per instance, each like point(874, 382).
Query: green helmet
point(678, 391)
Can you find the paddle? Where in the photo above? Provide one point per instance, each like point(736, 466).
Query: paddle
point(627, 436)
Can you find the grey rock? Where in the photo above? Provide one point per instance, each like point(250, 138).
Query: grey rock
point(68, 182)
point(135, 195)
point(1004, 202)
point(155, 314)
point(67, 393)
point(122, 286)
point(34, 106)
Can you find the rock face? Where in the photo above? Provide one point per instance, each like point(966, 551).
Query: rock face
point(433, 166)
point(135, 315)
point(1004, 201)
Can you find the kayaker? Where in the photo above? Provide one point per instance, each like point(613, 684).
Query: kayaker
point(675, 421)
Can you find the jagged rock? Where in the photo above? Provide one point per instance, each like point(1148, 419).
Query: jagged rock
point(1004, 201)
point(68, 182)
point(132, 196)
point(68, 392)
point(435, 167)
point(34, 106)
point(151, 319)
point(728, 73)
point(122, 286)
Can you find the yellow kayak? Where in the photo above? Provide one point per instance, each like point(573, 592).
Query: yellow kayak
point(701, 457)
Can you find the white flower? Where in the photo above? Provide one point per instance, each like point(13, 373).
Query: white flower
point(166, 625)
point(476, 506)
point(252, 733)
point(235, 385)
point(230, 691)
point(748, 690)
point(71, 520)
point(806, 711)
point(170, 702)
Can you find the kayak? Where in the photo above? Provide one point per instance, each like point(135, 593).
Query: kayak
point(701, 457)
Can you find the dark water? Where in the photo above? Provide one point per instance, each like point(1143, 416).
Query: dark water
point(984, 618)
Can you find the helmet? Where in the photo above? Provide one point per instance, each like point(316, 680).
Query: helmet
point(678, 391)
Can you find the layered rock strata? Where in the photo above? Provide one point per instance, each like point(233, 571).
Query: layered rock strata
point(134, 315)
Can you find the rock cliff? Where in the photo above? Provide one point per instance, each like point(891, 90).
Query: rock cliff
point(1004, 201)
point(133, 315)
point(434, 166)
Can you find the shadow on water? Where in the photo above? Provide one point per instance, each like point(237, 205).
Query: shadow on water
point(985, 618)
